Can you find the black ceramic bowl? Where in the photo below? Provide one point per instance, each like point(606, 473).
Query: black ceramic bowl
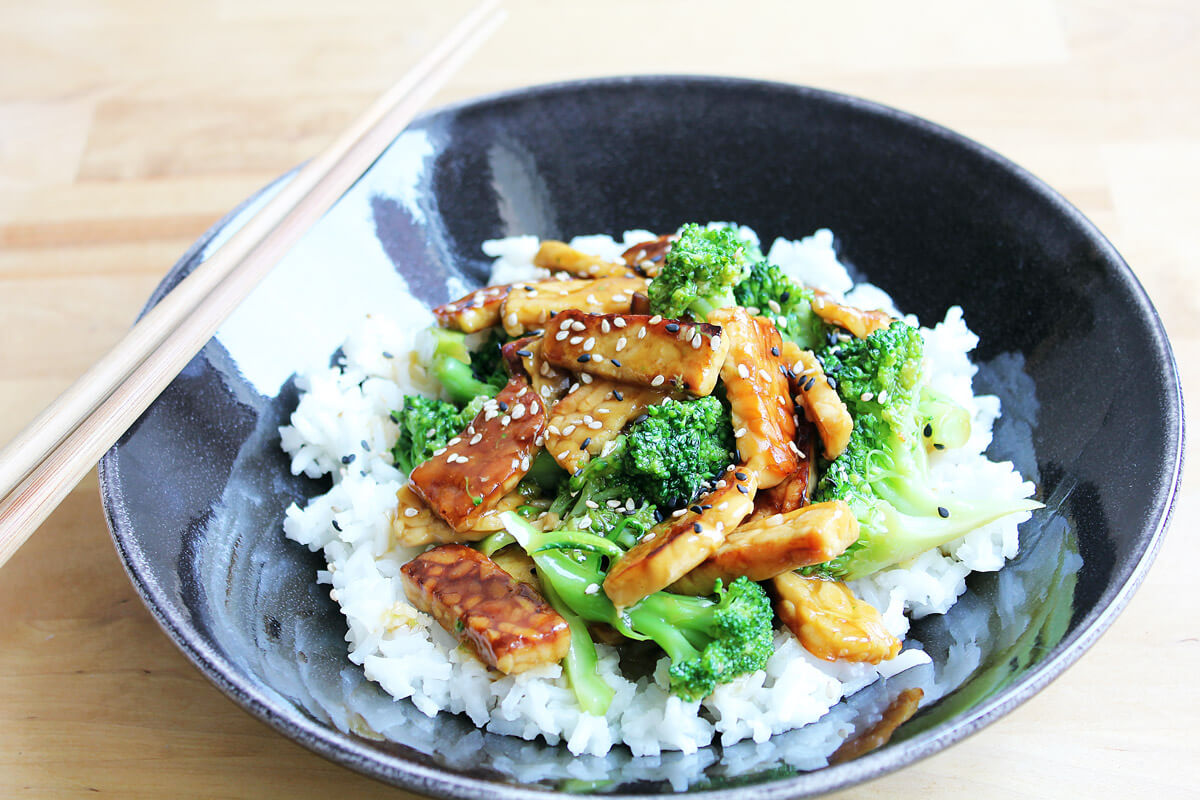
point(195, 491)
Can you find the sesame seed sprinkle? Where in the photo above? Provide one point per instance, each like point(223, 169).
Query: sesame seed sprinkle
point(659, 380)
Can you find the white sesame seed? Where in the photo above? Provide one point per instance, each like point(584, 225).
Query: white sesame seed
point(578, 326)
point(476, 439)
point(721, 484)
point(604, 326)
point(575, 340)
point(739, 433)
point(585, 377)
point(679, 512)
point(524, 389)
point(603, 410)
point(619, 322)
point(764, 375)
point(649, 536)
point(883, 396)
point(439, 451)
point(505, 420)
point(511, 320)
point(589, 344)
point(715, 344)
point(613, 504)
point(411, 512)
point(591, 504)
point(621, 344)
point(724, 504)
point(743, 373)
point(586, 522)
point(658, 380)
point(454, 441)
point(595, 425)
point(552, 429)
point(567, 431)
point(518, 411)
point(539, 441)
point(591, 588)
point(866, 396)
point(491, 414)
point(697, 340)
point(641, 333)
point(597, 357)
point(771, 304)
point(558, 337)
point(525, 463)
point(545, 390)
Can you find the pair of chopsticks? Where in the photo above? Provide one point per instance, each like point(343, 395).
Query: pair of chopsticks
point(47, 459)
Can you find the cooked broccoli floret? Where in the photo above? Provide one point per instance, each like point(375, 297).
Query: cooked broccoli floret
point(426, 425)
point(699, 272)
point(883, 474)
point(785, 302)
point(678, 448)
point(452, 366)
point(710, 640)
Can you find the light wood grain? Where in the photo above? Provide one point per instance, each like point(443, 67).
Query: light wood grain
point(120, 143)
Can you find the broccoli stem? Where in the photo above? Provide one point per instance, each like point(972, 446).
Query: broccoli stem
point(581, 663)
point(701, 307)
point(452, 367)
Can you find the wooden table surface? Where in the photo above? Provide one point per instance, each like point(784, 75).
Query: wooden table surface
point(128, 126)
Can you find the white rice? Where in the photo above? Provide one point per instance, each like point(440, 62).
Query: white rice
point(342, 427)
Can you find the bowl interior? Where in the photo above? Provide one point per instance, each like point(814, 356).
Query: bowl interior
point(196, 490)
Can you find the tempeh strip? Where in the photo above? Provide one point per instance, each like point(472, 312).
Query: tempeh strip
point(860, 322)
point(591, 416)
point(757, 388)
point(478, 310)
point(769, 547)
point(678, 545)
point(485, 462)
point(531, 306)
point(665, 354)
point(821, 403)
point(830, 622)
point(561, 257)
point(796, 489)
point(504, 621)
point(524, 356)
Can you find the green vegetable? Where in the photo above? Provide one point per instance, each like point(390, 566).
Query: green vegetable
point(700, 271)
point(710, 640)
point(452, 367)
point(427, 425)
point(768, 288)
point(487, 364)
point(883, 474)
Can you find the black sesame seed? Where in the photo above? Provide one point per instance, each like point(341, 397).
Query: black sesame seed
point(337, 527)
point(502, 405)
point(939, 446)
point(775, 351)
point(672, 327)
point(615, 363)
point(697, 527)
point(783, 298)
point(741, 476)
point(386, 354)
point(528, 288)
point(832, 381)
point(706, 507)
point(812, 380)
point(553, 314)
point(577, 473)
point(743, 489)
point(524, 353)
point(831, 338)
point(584, 358)
point(696, 509)
point(928, 430)
point(658, 516)
point(640, 418)
point(348, 459)
point(617, 394)
point(583, 445)
point(943, 512)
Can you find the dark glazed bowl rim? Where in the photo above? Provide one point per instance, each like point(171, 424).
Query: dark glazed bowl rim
point(348, 752)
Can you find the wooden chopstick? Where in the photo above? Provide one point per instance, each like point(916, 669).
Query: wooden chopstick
point(50, 456)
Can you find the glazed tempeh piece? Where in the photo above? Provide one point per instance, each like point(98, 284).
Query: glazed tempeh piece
point(648, 257)
point(591, 416)
point(677, 545)
point(757, 387)
point(484, 463)
point(561, 257)
point(524, 356)
point(796, 489)
point(830, 621)
point(822, 405)
point(775, 545)
point(414, 524)
point(666, 354)
point(504, 621)
point(478, 310)
point(530, 306)
point(858, 321)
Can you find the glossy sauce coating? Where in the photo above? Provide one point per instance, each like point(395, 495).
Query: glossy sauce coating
point(478, 310)
point(532, 306)
point(485, 462)
point(830, 622)
point(664, 354)
point(590, 416)
point(504, 621)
